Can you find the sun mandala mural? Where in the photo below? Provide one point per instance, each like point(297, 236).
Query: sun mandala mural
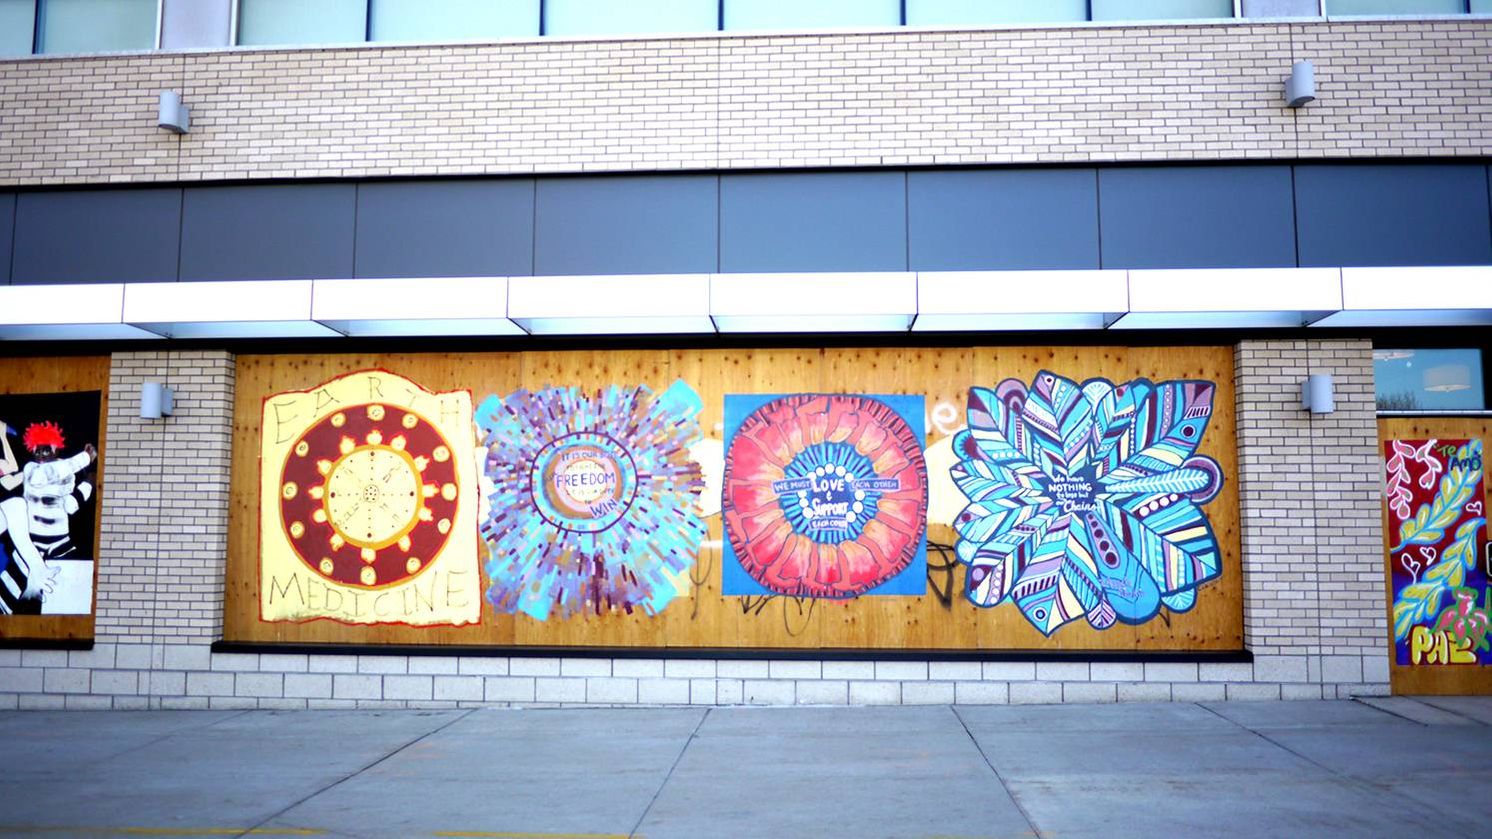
point(368, 494)
point(825, 496)
point(591, 499)
point(373, 515)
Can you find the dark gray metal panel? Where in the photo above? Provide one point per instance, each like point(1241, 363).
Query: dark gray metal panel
point(1003, 219)
point(468, 228)
point(291, 232)
point(7, 233)
point(1393, 214)
point(97, 236)
point(854, 221)
point(654, 224)
point(1197, 217)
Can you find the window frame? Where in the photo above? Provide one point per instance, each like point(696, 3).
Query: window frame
point(1484, 354)
point(155, 43)
point(234, 13)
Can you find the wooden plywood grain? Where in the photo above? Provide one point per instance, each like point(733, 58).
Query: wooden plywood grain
point(941, 620)
point(1431, 679)
point(59, 375)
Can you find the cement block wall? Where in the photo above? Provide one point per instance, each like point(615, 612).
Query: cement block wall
point(1314, 605)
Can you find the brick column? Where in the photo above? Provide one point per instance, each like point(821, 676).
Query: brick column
point(165, 521)
point(1312, 528)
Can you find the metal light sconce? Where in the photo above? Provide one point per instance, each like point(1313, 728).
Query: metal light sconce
point(1300, 88)
point(1317, 394)
point(156, 400)
point(174, 116)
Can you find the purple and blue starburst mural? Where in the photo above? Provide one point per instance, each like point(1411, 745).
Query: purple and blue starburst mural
point(1085, 501)
point(592, 499)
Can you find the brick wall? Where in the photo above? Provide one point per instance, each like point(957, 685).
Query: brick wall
point(1193, 92)
point(1314, 603)
point(165, 520)
point(1313, 585)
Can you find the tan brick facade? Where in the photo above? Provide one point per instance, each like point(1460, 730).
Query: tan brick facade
point(1312, 518)
point(1314, 599)
point(165, 523)
point(1091, 94)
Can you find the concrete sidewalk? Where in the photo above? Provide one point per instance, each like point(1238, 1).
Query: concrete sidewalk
point(1388, 767)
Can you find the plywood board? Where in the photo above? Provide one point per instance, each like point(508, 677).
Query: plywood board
point(59, 375)
point(1432, 679)
point(942, 619)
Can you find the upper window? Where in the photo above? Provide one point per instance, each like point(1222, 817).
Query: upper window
point(452, 20)
point(985, 12)
point(95, 25)
point(1161, 9)
point(1396, 7)
point(610, 17)
point(819, 14)
point(1429, 380)
point(302, 21)
point(17, 24)
point(83, 26)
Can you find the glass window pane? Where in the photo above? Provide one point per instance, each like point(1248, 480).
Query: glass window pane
point(609, 17)
point(1161, 9)
point(1429, 380)
point(193, 24)
point(17, 19)
point(975, 12)
point(302, 21)
point(1481, 7)
point(454, 20)
point(817, 14)
point(96, 25)
point(1395, 7)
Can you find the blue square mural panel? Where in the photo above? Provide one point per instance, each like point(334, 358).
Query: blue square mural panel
point(824, 496)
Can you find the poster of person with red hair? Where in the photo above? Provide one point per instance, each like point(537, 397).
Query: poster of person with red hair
point(48, 502)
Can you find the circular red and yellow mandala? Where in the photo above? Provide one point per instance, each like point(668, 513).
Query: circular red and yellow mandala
point(368, 495)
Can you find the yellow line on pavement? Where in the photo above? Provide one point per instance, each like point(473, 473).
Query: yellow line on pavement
point(482, 834)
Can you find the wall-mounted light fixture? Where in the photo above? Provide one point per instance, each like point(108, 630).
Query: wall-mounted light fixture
point(174, 116)
point(1300, 88)
point(156, 400)
point(1317, 394)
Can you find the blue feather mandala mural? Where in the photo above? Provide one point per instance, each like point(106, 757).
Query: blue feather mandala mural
point(1085, 501)
point(592, 499)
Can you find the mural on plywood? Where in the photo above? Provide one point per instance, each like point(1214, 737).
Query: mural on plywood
point(48, 502)
point(368, 504)
point(1085, 501)
point(825, 496)
point(1437, 526)
point(592, 499)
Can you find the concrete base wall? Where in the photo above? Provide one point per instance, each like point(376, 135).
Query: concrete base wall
point(124, 676)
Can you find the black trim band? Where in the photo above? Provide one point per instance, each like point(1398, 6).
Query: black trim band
point(737, 654)
point(46, 643)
